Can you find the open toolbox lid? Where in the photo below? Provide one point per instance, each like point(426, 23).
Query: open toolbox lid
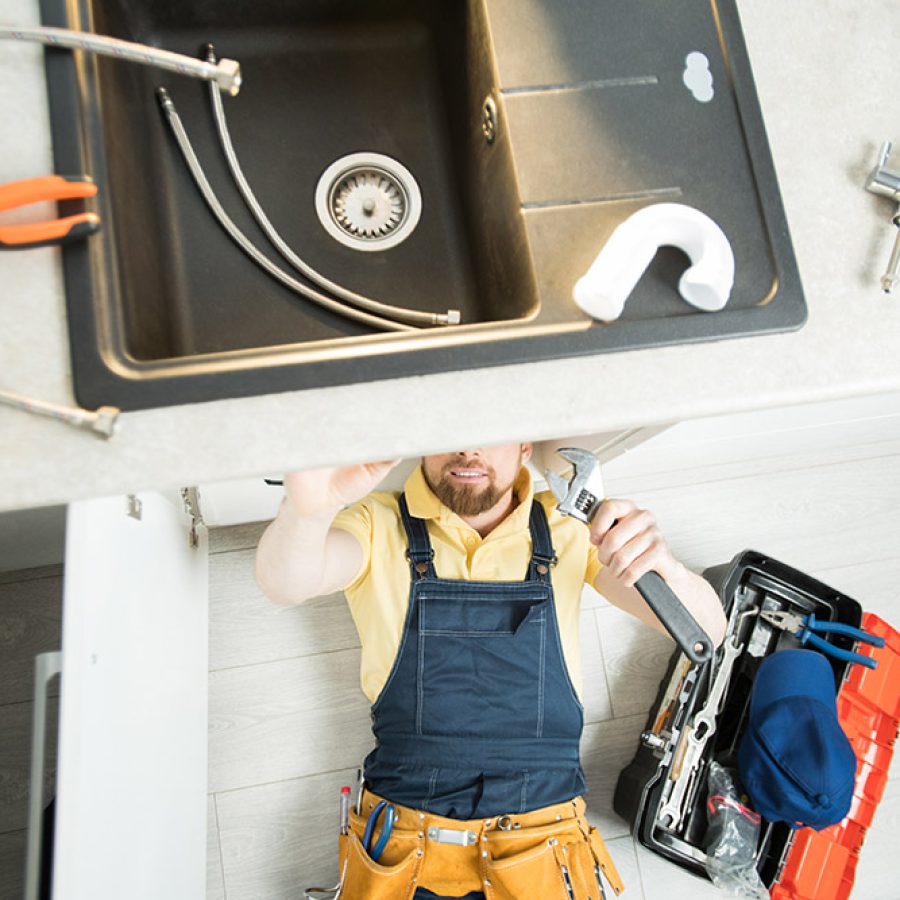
point(821, 865)
point(802, 864)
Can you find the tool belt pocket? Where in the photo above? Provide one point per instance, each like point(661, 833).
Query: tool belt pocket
point(580, 869)
point(603, 861)
point(557, 863)
point(393, 877)
point(531, 873)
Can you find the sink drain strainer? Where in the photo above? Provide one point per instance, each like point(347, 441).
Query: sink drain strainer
point(368, 201)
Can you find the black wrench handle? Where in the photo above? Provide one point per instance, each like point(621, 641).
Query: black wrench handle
point(676, 618)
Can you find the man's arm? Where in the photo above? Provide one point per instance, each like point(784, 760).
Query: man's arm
point(300, 555)
point(629, 545)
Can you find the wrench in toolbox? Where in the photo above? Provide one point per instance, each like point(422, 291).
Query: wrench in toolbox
point(689, 755)
point(581, 498)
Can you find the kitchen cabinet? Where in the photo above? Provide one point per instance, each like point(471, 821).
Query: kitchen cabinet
point(132, 763)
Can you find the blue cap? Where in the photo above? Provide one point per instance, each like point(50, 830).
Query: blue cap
point(794, 757)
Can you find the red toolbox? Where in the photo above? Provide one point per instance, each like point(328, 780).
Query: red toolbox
point(820, 865)
point(801, 864)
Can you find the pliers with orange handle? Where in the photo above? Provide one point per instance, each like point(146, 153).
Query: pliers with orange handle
point(57, 231)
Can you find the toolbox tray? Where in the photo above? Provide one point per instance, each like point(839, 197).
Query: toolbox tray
point(753, 579)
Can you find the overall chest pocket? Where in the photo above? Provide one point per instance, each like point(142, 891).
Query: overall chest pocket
point(481, 664)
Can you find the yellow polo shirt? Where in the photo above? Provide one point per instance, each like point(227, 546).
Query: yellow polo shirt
point(379, 594)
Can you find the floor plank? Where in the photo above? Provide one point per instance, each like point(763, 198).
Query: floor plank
point(624, 857)
point(215, 875)
point(278, 839)
point(13, 849)
point(15, 761)
point(30, 623)
point(809, 519)
point(245, 627)
point(18, 575)
point(635, 657)
point(873, 584)
point(281, 720)
point(878, 872)
point(606, 748)
point(236, 537)
point(595, 691)
point(664, 880)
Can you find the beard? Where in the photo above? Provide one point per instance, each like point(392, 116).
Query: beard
point(464, 499)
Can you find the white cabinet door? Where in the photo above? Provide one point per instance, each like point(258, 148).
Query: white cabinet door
point(132, 765)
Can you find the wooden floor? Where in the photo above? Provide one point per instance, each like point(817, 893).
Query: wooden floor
point(30, 623)
point(289, 725)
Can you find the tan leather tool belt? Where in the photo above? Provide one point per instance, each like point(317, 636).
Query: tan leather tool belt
point(546, 853)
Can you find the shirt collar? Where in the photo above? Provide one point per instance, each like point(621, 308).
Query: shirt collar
point(423, 504)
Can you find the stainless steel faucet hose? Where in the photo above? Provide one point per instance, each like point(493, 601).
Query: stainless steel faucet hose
point(226, 73)
point(101, 421)
point(401, 314)
point(187, 151)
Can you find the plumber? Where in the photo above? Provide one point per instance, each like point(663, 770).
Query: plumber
point(465, 590)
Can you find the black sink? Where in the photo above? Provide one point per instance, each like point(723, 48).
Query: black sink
point(163, 307)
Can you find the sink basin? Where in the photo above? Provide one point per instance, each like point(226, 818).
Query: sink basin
point(164, 308)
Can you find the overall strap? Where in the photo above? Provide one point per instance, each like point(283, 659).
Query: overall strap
point(419, 551)
point(542, 553)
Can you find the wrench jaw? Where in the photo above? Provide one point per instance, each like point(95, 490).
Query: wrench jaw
point(581, 497)
point(558, 485)
point(579, 457)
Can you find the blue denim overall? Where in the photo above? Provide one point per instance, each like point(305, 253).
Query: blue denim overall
point(478, 716)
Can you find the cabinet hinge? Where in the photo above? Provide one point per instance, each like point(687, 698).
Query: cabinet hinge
point(190, 496)
point(133, 506)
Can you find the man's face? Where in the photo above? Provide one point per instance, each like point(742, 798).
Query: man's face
point(471, 482)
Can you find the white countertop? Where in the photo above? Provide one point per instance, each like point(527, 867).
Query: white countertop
point(826, 77)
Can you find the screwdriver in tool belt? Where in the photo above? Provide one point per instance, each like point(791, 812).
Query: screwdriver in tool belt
point(345, 809)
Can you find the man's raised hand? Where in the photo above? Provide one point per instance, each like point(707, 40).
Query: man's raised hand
point(319, 492)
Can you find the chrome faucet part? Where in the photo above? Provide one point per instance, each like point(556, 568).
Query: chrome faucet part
point(886, 183)
point(882, 180)
point(892, 274)
point(411, 316)
point(101, 421)
point(225, 74)
point(200, 179)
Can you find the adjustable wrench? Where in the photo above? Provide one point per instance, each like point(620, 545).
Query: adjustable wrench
point(581, 498)
point(689, 755)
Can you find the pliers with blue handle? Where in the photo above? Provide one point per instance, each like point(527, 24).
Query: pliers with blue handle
point(386, 828)
point(808, 628)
